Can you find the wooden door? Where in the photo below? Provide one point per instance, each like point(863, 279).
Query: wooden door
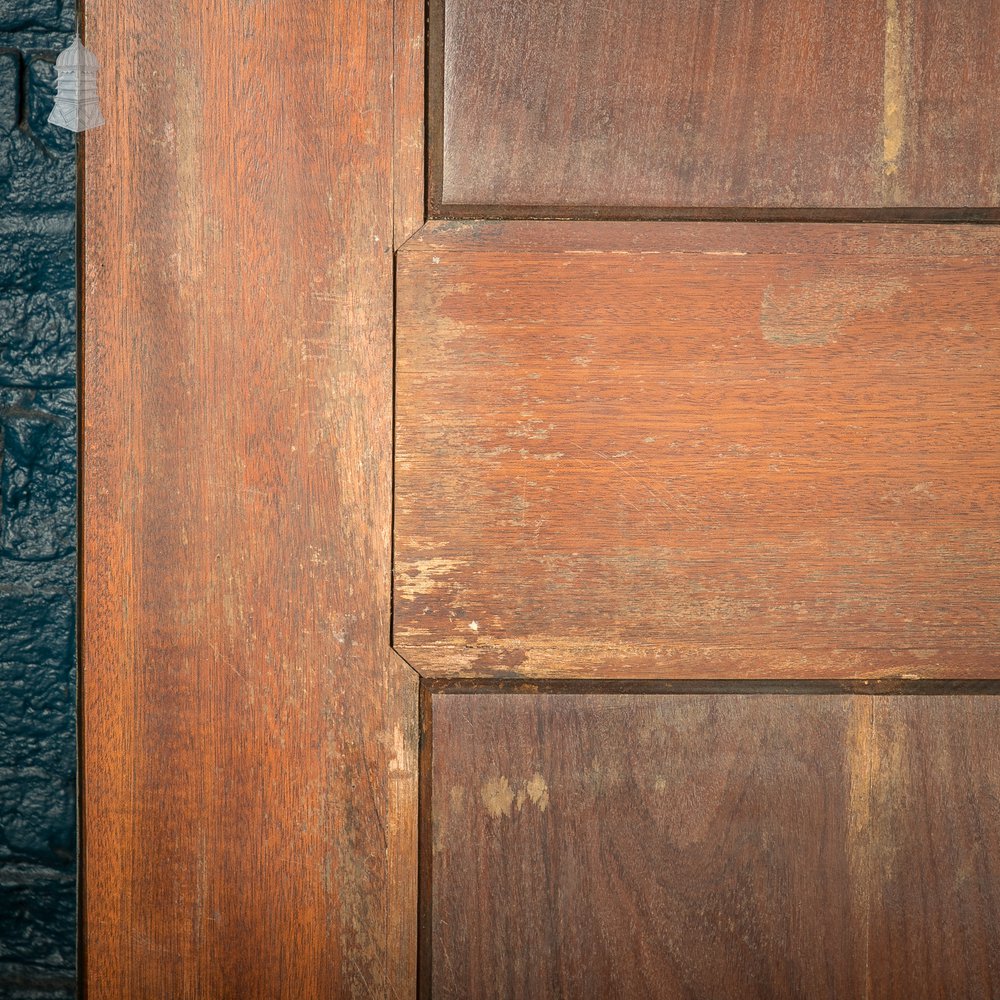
point(696, 518)
point(636, 475)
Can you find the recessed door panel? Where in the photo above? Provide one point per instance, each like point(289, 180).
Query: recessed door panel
point(698, 451)
point(657, 106)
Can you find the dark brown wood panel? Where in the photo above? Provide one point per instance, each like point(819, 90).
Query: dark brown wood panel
point(694, 846)
point(948, 96)
point(686, 104)
point(619, 454)
point(710, 845)
point(249, 738)
point(936, 815)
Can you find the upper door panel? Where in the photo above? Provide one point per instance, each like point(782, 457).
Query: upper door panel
point(654, 107)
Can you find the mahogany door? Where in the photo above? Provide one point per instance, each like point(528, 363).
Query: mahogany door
point(696, 530)
point(539, 500)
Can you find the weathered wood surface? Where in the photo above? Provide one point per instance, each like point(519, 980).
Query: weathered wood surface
point(565, 105)
point(248, 736)
point(936, 812)
point(698, 450)
point(409, 95)
point(712, 845)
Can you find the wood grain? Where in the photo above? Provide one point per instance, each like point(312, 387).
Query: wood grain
point(249, 739)
point(616, 109)
point(409, 97)
point(644, 846)
point(637, 459)
point(936, 813)
point(712, 845)
point(949, 97)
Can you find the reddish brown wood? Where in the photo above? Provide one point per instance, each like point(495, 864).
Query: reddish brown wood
point(248, 736)
point(408, 100)
point(764, 105)
point(646, 460)
point(645, 846)
point(936, 811)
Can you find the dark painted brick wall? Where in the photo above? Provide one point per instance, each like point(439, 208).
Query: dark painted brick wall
point(37, 510)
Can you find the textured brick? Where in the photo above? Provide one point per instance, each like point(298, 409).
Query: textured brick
point(37, 702)
point(37, 921)
point(38, 345)
point(38, 248)
point(36, 815)
point(41, 95)
point(36, 608)
point(37, 510)
point(38, 474)
point(10, 62)
point(37, 163)
point(24, 15)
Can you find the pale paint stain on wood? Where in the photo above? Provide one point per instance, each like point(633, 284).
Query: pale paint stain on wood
point(815, 311)
point(895, 91)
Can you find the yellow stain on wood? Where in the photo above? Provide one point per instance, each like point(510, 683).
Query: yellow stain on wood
point(894, 93)
point(498, 797)
point(538, 791)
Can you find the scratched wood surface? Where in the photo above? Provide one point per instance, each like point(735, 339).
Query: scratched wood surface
point(248, 736)
point(620, 455)
point(649, 105)
point(713, 845)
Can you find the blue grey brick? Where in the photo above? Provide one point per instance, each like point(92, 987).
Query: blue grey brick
point(36, 815)
point(38, 473)
point(39, 250)
point(37, 702)
point(28, 15)
point(37, 338)
point(37, 609)
point(36, 923)
point(37, 510)
point(59, 142)
point(10, 64)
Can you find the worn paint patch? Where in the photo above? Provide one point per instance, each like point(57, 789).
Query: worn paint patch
point(404, 758)
point(420, 577)
point(501, 798)
point(538, 791)
point(815, 312)
point(895, 88)
point(498, 797)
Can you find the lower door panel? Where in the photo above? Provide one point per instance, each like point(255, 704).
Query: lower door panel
point(710, 845)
